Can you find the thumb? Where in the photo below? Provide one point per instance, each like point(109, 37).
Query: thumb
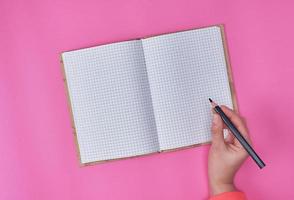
point(217, 130)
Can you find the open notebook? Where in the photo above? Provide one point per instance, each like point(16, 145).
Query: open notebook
point(144, 96)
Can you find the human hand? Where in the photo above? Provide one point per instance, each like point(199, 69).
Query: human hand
point(225, 155)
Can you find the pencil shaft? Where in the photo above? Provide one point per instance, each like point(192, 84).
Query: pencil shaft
point(240, 137)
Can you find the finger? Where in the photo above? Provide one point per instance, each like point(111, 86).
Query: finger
point(237, 143)
point(240, 124)
point(217, 131)
point(237, 120)
point(245, 123)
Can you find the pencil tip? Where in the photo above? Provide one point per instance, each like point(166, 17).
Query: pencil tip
point(212, 102)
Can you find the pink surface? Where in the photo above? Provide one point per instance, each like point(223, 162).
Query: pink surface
point(38, 155)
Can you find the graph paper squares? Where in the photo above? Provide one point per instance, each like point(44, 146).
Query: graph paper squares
point(142, 96)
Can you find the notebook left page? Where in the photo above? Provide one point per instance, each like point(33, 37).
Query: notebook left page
point(111, 102)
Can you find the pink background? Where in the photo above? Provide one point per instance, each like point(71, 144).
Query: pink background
point(37, 151)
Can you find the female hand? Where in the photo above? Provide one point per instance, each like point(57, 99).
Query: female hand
point(225, 155)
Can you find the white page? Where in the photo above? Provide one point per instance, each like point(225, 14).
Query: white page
point(111, 102)
point(184, 70)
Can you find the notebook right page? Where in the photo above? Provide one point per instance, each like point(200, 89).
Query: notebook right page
point(184, 70)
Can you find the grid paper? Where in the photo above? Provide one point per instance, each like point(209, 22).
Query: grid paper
point(184, 70)
point(111, 102)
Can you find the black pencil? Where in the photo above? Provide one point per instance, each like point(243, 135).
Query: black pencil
point(238, 135)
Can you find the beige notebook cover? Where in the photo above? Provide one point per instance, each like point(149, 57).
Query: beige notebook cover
point(147, 95)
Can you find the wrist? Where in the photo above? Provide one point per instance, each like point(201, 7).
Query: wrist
point(221, 188)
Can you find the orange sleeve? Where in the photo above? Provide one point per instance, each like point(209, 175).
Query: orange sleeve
point(229, 196)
